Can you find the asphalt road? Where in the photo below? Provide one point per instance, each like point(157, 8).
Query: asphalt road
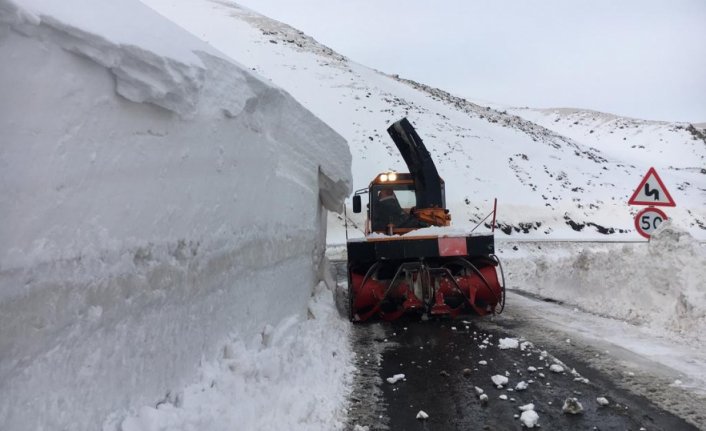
point(442, 364)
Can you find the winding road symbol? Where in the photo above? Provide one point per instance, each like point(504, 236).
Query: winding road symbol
point(649, 192)
point(652, 192)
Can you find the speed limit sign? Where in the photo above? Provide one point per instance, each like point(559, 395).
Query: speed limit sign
point(648, 220)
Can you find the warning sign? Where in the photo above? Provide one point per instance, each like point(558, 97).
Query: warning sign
point(652, 191)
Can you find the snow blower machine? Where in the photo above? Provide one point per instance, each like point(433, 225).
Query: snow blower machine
point(410, 260)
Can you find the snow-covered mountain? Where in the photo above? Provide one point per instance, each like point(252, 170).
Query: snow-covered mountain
point(556, 173)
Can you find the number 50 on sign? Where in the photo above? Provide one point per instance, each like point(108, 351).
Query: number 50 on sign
point(648, 220)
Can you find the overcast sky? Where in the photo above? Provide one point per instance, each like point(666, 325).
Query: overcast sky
point(638, 58)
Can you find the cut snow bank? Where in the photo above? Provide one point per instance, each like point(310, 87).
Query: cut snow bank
point(292, 376)
point(661, 284)
point(156, 197)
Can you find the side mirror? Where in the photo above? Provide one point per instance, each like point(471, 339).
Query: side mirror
point(356, 203)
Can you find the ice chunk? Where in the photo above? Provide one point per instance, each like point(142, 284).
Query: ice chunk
point(394, 379)
point(572, 406)
point(422, 415)
point(483, 362)
point(503, 397)
point(499, 380)
point(602, 401)
point(529, 418)
point(527, 407)
point(556, 368)
point(521, 386)
point(508, 343)
point(479, 391)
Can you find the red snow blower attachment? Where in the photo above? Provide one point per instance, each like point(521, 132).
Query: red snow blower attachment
point(408, 263)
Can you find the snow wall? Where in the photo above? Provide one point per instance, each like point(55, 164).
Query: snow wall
point(660, 284)
point(155, 198)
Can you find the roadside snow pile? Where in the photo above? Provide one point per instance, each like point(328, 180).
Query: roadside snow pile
point(658, 284)
point(155, 198)
point(293, 376)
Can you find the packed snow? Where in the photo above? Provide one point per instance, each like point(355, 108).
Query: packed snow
point(659, 284)
point(158, 199)
point(301, 367)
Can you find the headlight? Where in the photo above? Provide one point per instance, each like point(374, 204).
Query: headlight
point(383, 177)
point(392, 176)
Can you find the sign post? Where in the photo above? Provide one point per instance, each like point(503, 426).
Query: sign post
point(651, 192)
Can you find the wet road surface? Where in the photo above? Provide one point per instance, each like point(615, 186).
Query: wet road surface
point(445, 360)
point(433, 356)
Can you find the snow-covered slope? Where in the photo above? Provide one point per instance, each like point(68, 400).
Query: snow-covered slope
point(157, 199)
point(550, 181)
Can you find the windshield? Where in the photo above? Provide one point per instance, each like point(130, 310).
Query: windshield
point(391, 204)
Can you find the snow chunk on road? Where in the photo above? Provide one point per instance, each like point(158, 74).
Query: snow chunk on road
point(556, 368)
point(503, 397)
point(527, 407)
point(483, 362)
point(499, 380)
point(479, 391)
point(529, 418)
point(572, 406)
point(422, 415)
point(394, 379)
point(521, 386)
point(483, 399)
point(508, 343)
point(531, 369)
point(602, 401)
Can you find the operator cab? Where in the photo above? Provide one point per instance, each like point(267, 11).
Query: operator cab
point(391, 199)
